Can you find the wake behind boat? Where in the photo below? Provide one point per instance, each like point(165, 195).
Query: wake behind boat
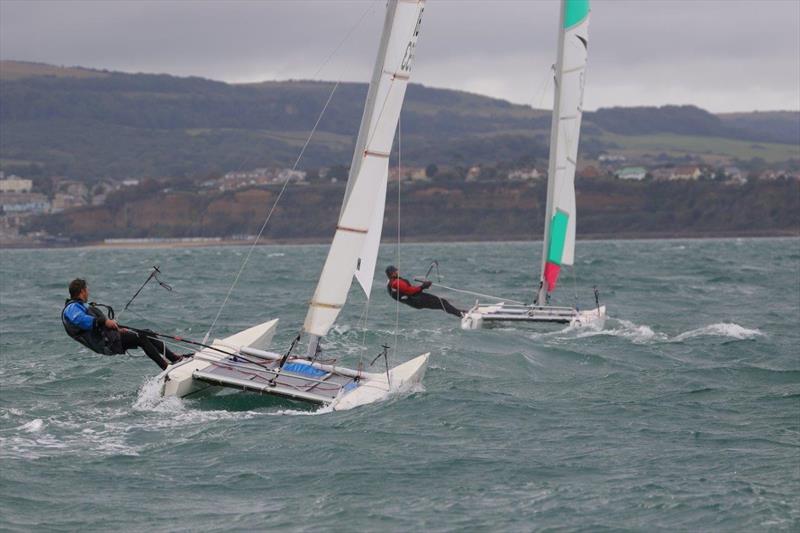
point(241, 361)
point(559, 231)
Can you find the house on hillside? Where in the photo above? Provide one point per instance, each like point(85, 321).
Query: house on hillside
point(611, 158)
point(662, 174)
point(473, 173)
point(409, 173)
point(23, 203)
point(733, 173)
point(523, 174)
point(75, 188)
point(12, 184)
point(286, 174)
point(771, 175)
point(632, 173)
point(62, 201)
point(691, 172)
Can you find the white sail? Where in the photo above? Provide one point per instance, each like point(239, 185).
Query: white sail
point(559, 234)
point(365, 266)
point(355, 244)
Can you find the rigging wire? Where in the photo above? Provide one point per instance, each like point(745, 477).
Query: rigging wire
point(294, 167)
point(269, 215)
point(473, 293)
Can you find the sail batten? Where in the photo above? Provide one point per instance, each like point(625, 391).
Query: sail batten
point(354, 249)
point(559, 233)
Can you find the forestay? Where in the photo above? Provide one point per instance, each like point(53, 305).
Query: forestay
point(559, 235)
point(355, 244)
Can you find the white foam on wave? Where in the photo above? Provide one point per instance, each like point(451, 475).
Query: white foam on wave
point(721, 329)
point(34, 426)
point(643, 334)
point(149, 398)
point(636, 333)
point(29, 441)
point(325, 409)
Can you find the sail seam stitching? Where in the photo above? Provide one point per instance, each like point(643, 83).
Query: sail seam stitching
point(352, 230)
point(374, 153)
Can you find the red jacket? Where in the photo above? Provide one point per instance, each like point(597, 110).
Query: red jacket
point(403, 287)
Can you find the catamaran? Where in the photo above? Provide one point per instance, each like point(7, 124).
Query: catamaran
point(559, 225)
point(243, 361)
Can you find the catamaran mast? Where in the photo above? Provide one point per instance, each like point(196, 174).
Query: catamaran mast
point(541, 295)
point(558, 246)
point(354, 249)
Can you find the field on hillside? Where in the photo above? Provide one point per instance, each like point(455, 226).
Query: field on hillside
point(680, 145)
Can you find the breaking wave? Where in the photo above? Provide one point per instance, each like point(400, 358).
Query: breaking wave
point(722, 329)
point(643, 334)
point(149, 398)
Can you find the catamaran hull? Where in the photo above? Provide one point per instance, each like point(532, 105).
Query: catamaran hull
point(240, 362)
point(482, 316)
point(178, 380)
point(402, 378)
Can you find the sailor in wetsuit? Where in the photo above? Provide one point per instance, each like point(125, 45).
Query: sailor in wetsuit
point(88, 325)
point(402, 290)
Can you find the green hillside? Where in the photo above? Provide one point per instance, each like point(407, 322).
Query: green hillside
point(91, 124)
point(683, 145)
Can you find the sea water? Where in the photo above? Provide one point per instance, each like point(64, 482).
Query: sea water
point(681, 413)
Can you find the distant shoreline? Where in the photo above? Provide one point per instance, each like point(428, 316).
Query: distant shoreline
point(215, 242)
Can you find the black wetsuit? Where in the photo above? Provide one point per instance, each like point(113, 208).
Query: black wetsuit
point(154, 348)
point(416, 298)
point(424, 300)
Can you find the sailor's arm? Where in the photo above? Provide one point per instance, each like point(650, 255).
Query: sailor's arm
point(407, 289)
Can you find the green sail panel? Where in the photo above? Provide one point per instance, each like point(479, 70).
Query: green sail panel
point(575, 11)
point(558, 235)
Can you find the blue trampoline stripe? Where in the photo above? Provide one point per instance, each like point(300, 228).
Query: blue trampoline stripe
point(304, 370)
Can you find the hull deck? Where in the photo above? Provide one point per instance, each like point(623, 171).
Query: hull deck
point(240, 362)
point(297, 380)
point(485, 315)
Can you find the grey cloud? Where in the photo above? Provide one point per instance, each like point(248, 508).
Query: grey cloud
point(722, 55)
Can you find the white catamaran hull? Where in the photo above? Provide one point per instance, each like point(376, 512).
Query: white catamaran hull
point(485, 315)
point(240, 362)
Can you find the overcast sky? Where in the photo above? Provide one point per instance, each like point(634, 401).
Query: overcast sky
point(726, 55)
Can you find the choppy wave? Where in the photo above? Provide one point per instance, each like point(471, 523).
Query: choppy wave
point(149, 398)
point(714, 377)
point(36, 439)
point(636, 333)
point(644, 334)
point(722, 329)
point(33, 426)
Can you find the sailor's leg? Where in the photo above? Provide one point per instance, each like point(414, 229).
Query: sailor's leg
point(134, 340)
point(415, 301)
point(431, 301)
point(164, 349)
point(449, 308)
